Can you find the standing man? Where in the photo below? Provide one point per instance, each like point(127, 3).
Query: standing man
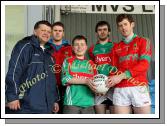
point(30, 84)
point(100, 54)
point(62, 50)
point(132, 57)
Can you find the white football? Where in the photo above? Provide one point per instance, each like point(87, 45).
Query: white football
point(99, 81)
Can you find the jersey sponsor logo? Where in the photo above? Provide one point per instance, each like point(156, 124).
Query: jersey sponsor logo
point(100, 59)
point(129, 57)
point(80, 76)
point(82, 67)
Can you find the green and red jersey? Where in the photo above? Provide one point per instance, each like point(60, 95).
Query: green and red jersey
point(101, 55)
point(133, 58)
point(78, 94)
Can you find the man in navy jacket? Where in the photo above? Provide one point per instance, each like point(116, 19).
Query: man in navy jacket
point(30, 80)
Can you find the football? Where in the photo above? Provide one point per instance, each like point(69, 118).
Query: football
point(99, 80)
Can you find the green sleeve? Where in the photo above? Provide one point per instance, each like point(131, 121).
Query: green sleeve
point(146, 57)
point(128, 74)
point(65, 73)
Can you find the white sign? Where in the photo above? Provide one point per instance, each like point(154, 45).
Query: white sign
point(110, 9)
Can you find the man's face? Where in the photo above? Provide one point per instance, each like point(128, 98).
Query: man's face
point(102, 32)
point(43, 33)
point(125, 27)
point(79, 47)
point(57, 33)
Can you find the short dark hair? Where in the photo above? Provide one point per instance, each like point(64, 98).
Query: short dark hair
point(58, 23)
point(79, 37)
point(124, 16)
point(36, 26)
point(101, 23)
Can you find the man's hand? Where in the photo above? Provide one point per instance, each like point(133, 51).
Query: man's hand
point(113, 80)
point(55, 108)
point(14, 105)
point(91, 85)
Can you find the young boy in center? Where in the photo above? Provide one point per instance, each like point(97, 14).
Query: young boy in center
point(77, 74)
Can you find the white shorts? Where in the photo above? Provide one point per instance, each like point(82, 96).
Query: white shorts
point(100, 99)
point(138, 96)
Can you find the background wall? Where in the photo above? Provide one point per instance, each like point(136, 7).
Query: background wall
point(82, 23)
point(19, 22)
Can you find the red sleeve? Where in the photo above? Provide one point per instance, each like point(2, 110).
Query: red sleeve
point(90, 52)
point(145, 53)
point(114, 59)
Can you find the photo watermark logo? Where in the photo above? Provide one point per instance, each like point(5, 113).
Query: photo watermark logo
point(58, 68)
point(29, 83)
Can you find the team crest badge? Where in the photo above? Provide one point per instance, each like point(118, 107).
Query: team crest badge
point(66, 54)
point(135, 46)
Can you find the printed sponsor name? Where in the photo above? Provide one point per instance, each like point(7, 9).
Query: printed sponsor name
point(103, 59)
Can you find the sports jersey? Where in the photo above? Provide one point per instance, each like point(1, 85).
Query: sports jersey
point(133, 58)
point(59, 54)
point(78, 94)
point(100, 54)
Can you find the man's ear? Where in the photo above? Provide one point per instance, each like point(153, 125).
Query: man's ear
point(35, 32)
point(133, 24)
point(96, 34)
point(72, 48)
point(109, 34)
point(86, 48)
point(63, 34)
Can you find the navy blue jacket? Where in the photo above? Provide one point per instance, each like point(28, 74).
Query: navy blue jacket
point(31, 78)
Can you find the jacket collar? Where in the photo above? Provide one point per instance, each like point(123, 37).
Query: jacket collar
point(64, 42)
point(35, 41)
